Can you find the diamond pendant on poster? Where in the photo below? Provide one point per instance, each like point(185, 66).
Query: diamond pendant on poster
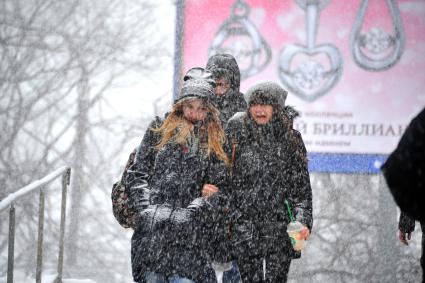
point(354, 69)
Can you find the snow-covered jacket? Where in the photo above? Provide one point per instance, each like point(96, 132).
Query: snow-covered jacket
point(270, 166)
point(168, 238)
point(229, 104)
point(233, 101)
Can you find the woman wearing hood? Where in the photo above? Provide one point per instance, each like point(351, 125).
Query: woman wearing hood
point(269, 168)
point(167, 245)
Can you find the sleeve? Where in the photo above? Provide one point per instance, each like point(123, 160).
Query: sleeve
point(138, 175)
point(301, 193)
point(234, 128)
point(406, 224)
point(217, 172)
point(210, 213)
point(167, 174)
point(404, 169)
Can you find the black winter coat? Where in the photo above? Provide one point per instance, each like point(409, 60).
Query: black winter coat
point(404, 170)
point(269, 168)
point(168, 238)
point(229, 104)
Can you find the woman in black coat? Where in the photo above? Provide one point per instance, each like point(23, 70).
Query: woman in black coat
point(270, 166)
point(167, 245)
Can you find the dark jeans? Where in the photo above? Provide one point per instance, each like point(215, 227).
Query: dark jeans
point(229, 275)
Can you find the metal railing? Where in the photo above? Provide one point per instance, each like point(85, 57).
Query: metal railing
point(9, 201)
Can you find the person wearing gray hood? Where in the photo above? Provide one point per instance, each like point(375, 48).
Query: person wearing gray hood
point(228, 98)
point(269, 168)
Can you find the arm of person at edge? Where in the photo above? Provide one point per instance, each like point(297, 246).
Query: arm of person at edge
point(301, 195)
point(406, 226)
point(138, 175)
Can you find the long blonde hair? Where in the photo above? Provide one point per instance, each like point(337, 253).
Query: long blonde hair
point(177, 128)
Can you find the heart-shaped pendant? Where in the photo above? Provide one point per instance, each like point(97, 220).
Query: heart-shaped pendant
point(310, 80)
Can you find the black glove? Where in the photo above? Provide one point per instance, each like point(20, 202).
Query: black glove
point(139, 197)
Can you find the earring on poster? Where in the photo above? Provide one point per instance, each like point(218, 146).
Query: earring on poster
point(239, 37)
point(322, 65)
point(377, 50)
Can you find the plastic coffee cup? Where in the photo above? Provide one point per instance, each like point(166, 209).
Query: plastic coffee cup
point(294, 232)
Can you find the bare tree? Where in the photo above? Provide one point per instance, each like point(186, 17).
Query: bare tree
point(58, 60)
point(354, 238)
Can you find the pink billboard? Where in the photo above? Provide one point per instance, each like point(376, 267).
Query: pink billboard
point(354, 69)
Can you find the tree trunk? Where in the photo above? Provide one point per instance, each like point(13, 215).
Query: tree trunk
point(79, 179)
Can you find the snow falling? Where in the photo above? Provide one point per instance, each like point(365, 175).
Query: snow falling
point(81, 83)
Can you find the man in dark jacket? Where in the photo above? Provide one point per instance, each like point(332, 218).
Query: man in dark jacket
point(228, 100)
point(270, 166)
point(404, 169)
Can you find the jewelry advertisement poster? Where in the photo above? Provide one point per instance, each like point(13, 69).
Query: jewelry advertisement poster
point(355, 70)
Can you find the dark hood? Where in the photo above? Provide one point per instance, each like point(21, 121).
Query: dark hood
point(227, 62)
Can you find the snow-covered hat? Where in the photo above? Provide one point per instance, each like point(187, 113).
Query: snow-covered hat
point(198, 83)
point(268, 93)
point(199, 73)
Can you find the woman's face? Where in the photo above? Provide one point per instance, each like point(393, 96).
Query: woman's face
point(262, 114)
point(194, 110)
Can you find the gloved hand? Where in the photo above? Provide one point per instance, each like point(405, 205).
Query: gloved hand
point(139, 197)
point(197, 204)
point(163, 214)
point(155, 216)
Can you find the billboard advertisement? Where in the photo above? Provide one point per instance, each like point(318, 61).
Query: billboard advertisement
point(355, 70)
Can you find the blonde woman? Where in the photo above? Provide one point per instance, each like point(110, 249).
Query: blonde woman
point(188, 145)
